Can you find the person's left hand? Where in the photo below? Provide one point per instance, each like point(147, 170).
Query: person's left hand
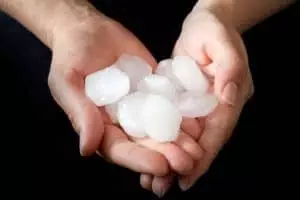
point(219, 50)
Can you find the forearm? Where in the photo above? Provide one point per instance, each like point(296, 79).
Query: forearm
point(44, 18)
point(244, 13)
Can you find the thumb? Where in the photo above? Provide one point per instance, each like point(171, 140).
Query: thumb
point(229, 76)
point(229, 69)
point(68, 91)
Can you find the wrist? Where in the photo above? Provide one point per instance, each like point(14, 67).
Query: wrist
point(222, 10)
point(34, 16)
point(242, 14)
point(71, 17)
point(48, 18)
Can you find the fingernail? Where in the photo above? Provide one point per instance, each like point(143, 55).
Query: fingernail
point(229, 94)
point(184, 186)
point(159, 192)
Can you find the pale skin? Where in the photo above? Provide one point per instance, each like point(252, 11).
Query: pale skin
point(84, 40)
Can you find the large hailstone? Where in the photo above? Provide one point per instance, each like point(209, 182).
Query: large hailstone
point(129, 114)
point(192, 105)
point(160, 118)
point(135, 67)
point(164, 68)
point(107, 86)
point(189, 74)
point(157, 84)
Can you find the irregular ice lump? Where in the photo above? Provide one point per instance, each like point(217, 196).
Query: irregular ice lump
point(135, 67)
point(107, 86)
point(164, 68)
point(129, 114)
point(189, 74)
point(161, 119)
point(157, 84)
point(192, 105)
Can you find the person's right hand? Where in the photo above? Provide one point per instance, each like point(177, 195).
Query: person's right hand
point(83, 48)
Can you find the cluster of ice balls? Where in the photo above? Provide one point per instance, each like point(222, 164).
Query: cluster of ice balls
point(151, 104)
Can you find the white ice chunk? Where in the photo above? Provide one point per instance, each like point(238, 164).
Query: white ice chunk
point(135, 67)
point(161, 119)
point(107, 86)
point(192, 105)
point(164, 68)
point(112, 111)
point(189, 74)
point(129, 114)
point(157, 84)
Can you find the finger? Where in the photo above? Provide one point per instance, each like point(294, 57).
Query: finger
point(231, 67)
point(218, 129)
point(161, 185)
point(192, 127)
point(179, 161)
point(186, 182)
point(68, 91)
point(234, 85)
point(120, 150)
point(228, 83)
point(190, 146)
point(146, 181)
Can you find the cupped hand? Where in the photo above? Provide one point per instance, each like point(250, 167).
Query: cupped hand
point(217, 46)
point(84, 48)
point(219, 50)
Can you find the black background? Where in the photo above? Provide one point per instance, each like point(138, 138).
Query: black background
point(42, 149)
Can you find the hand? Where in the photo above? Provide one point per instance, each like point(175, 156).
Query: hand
point(219, 50)
point(83, 49)
point(216, 45)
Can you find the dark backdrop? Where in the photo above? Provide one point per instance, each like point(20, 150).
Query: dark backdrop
point(43, 150)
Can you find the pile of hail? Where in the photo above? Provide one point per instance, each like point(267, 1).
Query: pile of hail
point(147, 103)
